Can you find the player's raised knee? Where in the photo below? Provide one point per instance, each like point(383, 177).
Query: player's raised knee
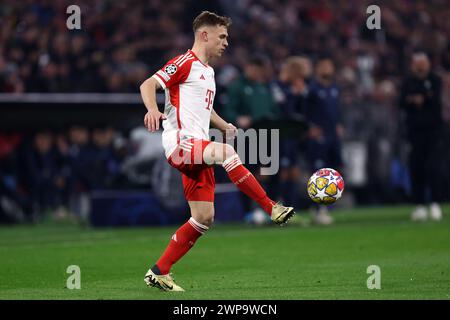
point(231, 159)
point(218, 152)
point(228, 151)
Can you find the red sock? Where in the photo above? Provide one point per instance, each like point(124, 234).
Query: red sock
point(247, 183)
point(182, 241)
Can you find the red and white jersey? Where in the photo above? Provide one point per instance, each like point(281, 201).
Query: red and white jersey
point(190, 88)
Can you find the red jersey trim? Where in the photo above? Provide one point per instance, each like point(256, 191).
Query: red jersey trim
point(162, 80)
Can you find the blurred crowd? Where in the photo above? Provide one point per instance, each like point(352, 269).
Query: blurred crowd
point(122, 42)
point(54, 171)
point(119, 44)
point(284, 56)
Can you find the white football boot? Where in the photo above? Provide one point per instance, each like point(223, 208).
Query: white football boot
point(281, 214)
point(164, 282)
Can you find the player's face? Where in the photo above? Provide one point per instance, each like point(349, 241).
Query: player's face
point(218, 38)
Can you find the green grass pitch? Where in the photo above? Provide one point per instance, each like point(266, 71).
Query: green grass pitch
point(236, 261)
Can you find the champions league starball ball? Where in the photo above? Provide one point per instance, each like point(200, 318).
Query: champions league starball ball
point(325, 186)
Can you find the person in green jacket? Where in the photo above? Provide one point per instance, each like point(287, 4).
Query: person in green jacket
point(250, 100)
point(249, 97)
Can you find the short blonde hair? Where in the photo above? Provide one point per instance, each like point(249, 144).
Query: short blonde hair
point(207, 18)
point(298, 66)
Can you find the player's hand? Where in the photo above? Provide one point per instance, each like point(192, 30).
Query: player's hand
point(231, 132)
point(152, 118)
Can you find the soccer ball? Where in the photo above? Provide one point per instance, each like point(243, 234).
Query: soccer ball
point(325, 186)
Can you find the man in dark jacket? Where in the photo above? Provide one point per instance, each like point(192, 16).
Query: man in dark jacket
point(250, 98)
point(323, 147)
point(45, 181)
point(420, 100)
point(290, 92)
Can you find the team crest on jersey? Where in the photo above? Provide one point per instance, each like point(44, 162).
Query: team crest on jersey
point(170, 69)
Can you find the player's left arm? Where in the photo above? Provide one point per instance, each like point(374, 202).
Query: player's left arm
point(227, 128)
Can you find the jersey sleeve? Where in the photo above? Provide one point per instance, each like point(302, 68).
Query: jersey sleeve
point(174, 72)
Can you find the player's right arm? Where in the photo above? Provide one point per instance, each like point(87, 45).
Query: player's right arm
point(148, 92)
point(173, 73)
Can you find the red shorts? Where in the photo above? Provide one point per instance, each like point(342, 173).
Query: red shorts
point(197, 176)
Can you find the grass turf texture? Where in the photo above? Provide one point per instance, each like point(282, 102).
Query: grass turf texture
point(236, 261)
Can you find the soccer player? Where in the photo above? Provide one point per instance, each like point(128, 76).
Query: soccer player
point(189, 87)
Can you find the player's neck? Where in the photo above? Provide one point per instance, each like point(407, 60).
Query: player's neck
point(200, 53)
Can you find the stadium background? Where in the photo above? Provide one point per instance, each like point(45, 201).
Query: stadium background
point(60, 88)
point(54, 80)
